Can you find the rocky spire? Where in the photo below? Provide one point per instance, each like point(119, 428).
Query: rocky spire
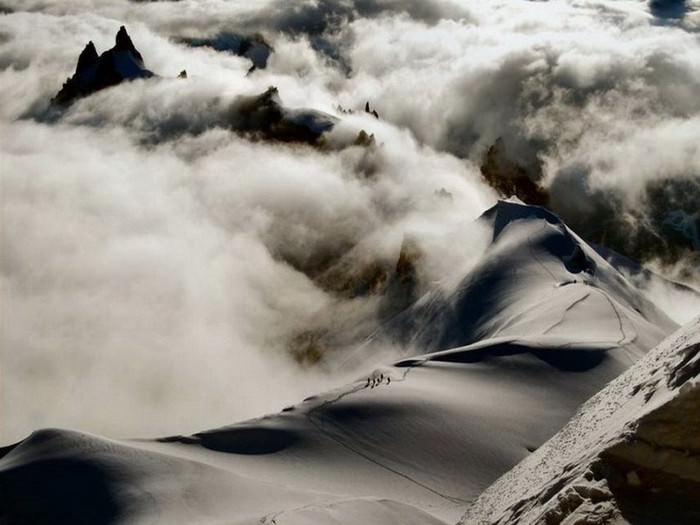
point(124, 43)
point(95, 72)
point(87, 58)
point(371, 111)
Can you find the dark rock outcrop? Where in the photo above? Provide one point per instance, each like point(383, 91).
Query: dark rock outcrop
point(364, 139)
point(253, 47)
point(668, 8)
point(93, 72)
point(509, 178)
point(88, 58)
point(262, 117)
point(372, 112)
point(663, 226)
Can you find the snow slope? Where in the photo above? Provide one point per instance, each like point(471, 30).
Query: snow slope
point(630, 455)
point(539, 283)
point(498, 366)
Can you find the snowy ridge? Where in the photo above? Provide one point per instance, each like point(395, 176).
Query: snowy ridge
point(416, 442)
point(541, 283)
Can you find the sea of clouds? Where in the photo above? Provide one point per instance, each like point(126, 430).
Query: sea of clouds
point(154, 265)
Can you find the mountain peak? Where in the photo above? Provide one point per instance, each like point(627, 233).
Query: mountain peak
point(506, 211)
point(123, 43)
point(88, 57)
point(95, 72)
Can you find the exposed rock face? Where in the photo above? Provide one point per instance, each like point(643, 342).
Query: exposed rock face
point(364, 139)
point(124, 43)
point(87, 59)
point(386, 283)
point(664, 227)
point(631, 454)
point(263, 117)
point(668, 8)
point(258, 117)
point(509, 178)
point(93, 72)
point(253, 47)
point(372, 112)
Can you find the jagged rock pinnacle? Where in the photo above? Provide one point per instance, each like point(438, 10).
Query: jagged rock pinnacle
point(87, 58)
point(95, 72)
point(124, 43)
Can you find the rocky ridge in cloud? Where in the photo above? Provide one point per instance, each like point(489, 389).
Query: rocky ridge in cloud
point(254, 47)
point(259, 117)
point(93, 72)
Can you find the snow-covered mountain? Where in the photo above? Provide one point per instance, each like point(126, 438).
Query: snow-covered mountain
point(539, 326)
point(541, 285)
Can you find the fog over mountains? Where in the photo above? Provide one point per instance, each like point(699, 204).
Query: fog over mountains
point(445, 224)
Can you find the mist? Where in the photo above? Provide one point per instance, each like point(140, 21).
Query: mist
point(154, 261)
